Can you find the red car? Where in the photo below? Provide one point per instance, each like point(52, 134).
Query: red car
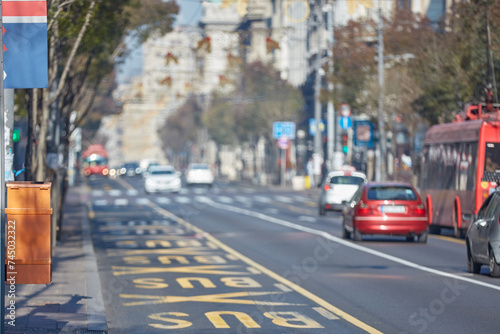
point(389, 208)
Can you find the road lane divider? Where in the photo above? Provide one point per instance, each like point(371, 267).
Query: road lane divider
point(349, 244)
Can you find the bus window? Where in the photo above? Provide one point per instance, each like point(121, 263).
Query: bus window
point(492, 158)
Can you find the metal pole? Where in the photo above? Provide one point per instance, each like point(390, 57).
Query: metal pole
point(381, 165)
point(2, 178)
point(283, 167)
point(317, 88)
point(330, 106)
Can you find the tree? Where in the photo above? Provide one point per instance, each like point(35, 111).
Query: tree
point(85, 39)
point(451, 64)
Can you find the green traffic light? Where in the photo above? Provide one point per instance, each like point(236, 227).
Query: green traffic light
point(16, 135)
point(345, 149)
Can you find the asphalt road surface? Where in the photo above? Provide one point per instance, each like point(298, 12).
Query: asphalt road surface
point(244, 259)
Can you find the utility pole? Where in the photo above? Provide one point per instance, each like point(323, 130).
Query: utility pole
point(330, 107)
point(317, 85)
point(380, 173)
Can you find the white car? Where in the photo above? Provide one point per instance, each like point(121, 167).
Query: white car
point(198, 173)
point(162, 179)
point(337, 188)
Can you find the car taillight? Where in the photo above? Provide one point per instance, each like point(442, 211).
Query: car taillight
point(327, 187)
point(420, 209)
point(363, 208)
point(105, 171)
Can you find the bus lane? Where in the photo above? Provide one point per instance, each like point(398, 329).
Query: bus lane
point(163, 273)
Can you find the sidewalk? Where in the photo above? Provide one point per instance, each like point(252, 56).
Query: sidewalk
point(73, 302)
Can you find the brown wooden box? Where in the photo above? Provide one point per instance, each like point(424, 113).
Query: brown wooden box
point(28, 258)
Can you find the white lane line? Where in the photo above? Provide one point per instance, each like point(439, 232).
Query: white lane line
point(263, 199)
point(272, 211)
point(307, 219)
point(143, 201)
point(183, 200)
point(352, 245)
point(163, 200)
point(115, 192)
point(97, 193)
point(121, 202)
point(132, 192)
point(283, 199)
point(225, 199)
point(100, 202)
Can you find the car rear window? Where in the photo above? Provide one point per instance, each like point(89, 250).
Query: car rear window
point(346, 180)
point(199, 167)
point(391, 193)
point(162, 172)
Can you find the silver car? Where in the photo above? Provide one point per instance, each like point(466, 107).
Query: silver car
point(162, 179)
point(337, 188)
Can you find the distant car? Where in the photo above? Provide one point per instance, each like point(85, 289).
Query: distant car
point(199, 173)
point(483, 237)
point(131, 169)
point(162, 179)
point(387, 208)
point(337, 189)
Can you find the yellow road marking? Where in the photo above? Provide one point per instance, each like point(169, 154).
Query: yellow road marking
point(213, 298)
point(163, 251)
point(329, 307)
point(442, 237)
point(209, 270)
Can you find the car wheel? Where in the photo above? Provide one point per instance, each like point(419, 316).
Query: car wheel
point(322, 210)
point(472, 266)
point(345, 233)
point(357, 236)
point(494, 267)
point(410, 238)
point(422, 237)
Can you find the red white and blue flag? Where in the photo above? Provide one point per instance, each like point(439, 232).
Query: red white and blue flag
point(25, 43)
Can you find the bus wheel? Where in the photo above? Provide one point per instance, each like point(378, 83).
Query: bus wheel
point(458, 232)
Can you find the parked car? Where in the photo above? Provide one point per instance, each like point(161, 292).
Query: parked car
point(387, 208)
point(483, 237)
point(337, 189)
point(199, 173)
point(162, 179)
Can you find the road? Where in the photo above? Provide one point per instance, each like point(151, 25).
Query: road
point(244, 259)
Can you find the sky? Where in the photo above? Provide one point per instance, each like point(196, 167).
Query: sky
point(189, 14)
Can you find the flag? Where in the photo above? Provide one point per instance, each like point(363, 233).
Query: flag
point(25, 43)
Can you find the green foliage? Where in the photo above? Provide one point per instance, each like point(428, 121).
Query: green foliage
point(182, 126)
point(248, 112)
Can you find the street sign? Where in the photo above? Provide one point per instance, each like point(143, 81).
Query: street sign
point(313, 127)
point(345, 110)
point(283, 142)
point(363, 133)
point(345, 122)
point(284, 129)
point(25, 44)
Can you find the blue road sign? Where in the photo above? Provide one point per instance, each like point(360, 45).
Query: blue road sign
point(286, 129)
point(345, 122)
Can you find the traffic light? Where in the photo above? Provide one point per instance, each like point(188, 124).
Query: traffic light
point(16, 135)
point(345, 143)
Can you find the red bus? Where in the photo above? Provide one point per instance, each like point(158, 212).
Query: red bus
point(95, 160)
point(458, 167)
